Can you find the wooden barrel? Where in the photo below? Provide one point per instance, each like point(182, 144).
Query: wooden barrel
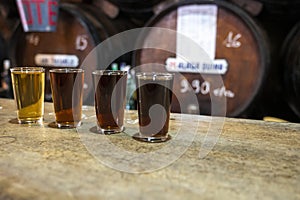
point(135, 6)
point(281, 7)
point(238, 40)
point(291, 68)
point(80, 29)
point(277, 18)
point(139, 11)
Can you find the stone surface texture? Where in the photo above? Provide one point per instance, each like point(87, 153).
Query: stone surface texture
point(206, 158)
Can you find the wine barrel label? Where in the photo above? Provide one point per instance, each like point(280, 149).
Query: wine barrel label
point(198, 23)
point(56, 60)
point(217, 66)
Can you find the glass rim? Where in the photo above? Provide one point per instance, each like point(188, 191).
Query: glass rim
point(154, 74)
point(109, 72)
point(66, 70)
point(27, 69)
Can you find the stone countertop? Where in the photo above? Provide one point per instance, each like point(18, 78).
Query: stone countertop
point(207, 158)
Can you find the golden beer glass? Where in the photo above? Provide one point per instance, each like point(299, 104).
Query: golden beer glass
point(28, 86)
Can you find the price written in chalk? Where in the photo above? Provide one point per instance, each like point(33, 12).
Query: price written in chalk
point(204, 88)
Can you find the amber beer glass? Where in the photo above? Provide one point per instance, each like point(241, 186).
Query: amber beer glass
point(154, 95)
point(110, 93)
point(28, 86)
point(67, 94)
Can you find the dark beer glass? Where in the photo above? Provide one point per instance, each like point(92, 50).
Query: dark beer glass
point(110, 93)
point(67, 94)
point(154, 94)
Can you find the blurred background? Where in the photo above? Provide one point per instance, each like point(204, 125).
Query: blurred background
point(259, 39)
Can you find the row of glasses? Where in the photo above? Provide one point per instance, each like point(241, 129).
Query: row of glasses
point(66, 85)
point(154, 95)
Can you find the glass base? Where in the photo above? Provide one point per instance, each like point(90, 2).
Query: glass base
point(64, 125)
point(142, 138)
point(110, 131)
point(31, 121)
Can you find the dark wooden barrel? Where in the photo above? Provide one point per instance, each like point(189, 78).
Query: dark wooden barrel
point(239, 40)
point(80, 29)
point(135, 6)
point(138, 11)
point(291, 68)
point(281, 7)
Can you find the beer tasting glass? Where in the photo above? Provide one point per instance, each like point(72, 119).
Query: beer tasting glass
point(28, 87)
point(154, 96)
point(67, 94)
point(110, 100)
